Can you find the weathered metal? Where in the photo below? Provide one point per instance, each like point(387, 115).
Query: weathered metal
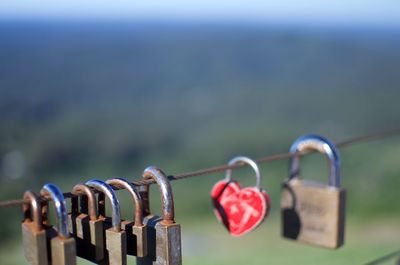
point(62, 246)
point(33, 232)
point(136, 231)
point(164, 234)
point(84, 224)
point(115, 238)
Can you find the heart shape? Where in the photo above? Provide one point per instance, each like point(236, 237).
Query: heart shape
point(239, 209)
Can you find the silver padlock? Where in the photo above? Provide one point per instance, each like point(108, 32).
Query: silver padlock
point(164, 234)
point(136, 231)
point(314, 212)
point(115, 237)
point(62, 246)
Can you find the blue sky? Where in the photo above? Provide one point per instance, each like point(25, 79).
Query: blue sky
point(382, 12)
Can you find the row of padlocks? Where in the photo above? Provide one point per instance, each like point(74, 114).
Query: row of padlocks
point(311, 212)
point(88, 233)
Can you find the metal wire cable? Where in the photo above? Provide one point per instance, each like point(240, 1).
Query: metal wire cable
point(222, 168)
point(395, 254)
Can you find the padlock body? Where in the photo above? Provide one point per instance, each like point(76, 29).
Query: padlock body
point(313, 213)
point(163, 243)
point(63, 251)
point(89, 236)
point(136, 238)
point(150, 221)
point(97, 239)
point(168, 244)
point(34, 244)
point(115, 245)
point(140, 233)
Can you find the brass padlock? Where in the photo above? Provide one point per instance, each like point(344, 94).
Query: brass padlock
point(313, 212)
point(115, 237)
point(136, 231)
point(33, 232)
point(163, 233)
point(62, 246)
point(84, 224)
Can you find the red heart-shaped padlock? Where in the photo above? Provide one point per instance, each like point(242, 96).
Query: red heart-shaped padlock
point(240, 210)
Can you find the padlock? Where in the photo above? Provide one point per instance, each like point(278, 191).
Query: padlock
point(86, 228)
point(62, 246)
point(240, 209)
point(163, 233)
point(115, 238)
point(313, 212)
point(136, 231)
point(33, 232)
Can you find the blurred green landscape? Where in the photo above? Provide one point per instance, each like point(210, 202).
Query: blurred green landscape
point(82, 100)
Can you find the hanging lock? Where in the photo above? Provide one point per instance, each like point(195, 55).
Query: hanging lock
point(115, 238)
point(33, 232)
point(62, 246)
point(313, 212)
point(163, 233)
point(239, 209)
point(86, 228)
point(136, 231)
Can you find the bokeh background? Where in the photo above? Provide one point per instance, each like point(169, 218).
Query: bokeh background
point(94, 89)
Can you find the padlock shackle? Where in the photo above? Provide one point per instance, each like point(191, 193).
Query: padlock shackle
point(52, 192)
point(167, 199)
point(32, 210)
point(316, 143)
point(123, 183)
point(84, 190)
point(244, 160)
point(107, 190)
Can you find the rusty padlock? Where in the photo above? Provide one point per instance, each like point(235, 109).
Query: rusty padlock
point(136, 231)
point(163, 233)
point(86, 228)
point(62, 246)
point(313, 212)
point(115, 237)
point(33, 233)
